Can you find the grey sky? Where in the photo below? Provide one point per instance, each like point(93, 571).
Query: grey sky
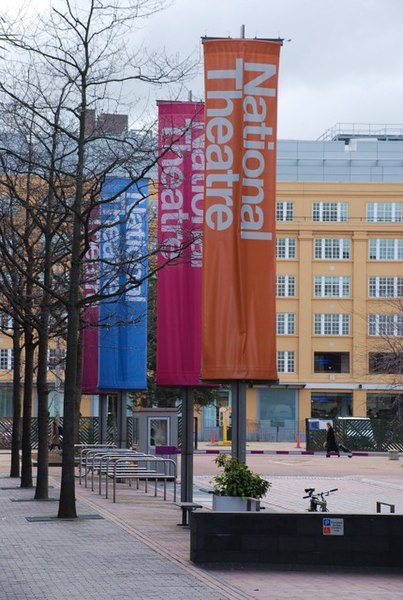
point(344, 63)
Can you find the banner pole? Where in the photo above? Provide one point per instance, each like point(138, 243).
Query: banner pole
point(238, 390)
point(187, 445)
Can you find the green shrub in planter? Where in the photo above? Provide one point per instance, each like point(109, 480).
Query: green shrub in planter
point(238, 480)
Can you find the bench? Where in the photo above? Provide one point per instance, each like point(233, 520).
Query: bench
point(187, 508)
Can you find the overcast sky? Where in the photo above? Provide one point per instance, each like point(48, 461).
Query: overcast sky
point(344, 63)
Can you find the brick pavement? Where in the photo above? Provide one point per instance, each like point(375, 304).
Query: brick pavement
point(137, 550)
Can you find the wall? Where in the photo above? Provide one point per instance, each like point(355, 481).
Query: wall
point(274, 539)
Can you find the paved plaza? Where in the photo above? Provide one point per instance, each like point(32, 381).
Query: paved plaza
point(135, 549)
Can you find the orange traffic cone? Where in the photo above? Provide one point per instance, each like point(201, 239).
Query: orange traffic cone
point(298, 441)
point(212, 440)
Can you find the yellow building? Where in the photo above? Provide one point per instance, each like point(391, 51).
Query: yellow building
point(339, 217)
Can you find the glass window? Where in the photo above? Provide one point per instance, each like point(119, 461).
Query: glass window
point(6, 322)
point(6, 359)
point(331, 286)
point(332, 248)
point(158, 432)
point(285, 285)
point(277, 406)
point(285, 323)
point(329, 211)
point(386, 249)
point(284, 211)
point(332, 324)
point(56, 358)
point(286, 248)
point(6, 402)
point(385, 406)
point(384, 212)
point(332, 362)
point(331, 405)
point(385, 287)
point(286, 362)
point(385, 325)
point(385, 362)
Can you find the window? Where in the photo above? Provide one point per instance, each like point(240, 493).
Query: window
point(331, 286)
point(152, 208)
point(284, 211)
point(285, 323)
point(331, 405)
point(385, 287)
point(332, 324)
point(277, 407)
point(385, 406)
point(286, 248)
point(286, 362)
point(332, 362)
point(386, 249)
point(332, 248)
point(388, 325)
point(6, 403)
point(6, 359)
point(329, 211)
point(285, 285)
point(384, 212)
point(6, 322)
point(385, 362)
point(56, 358)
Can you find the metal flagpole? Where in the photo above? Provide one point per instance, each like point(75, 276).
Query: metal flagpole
point(187, 445)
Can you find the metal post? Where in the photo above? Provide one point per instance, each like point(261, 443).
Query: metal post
point(196, 432)
point(122, 419)
point(238, 389)
point(103, 418)
point(187, 446)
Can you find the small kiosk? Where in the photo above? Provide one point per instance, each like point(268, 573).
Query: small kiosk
point(156, 428)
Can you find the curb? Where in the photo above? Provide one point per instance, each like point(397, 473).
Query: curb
point(288, 452)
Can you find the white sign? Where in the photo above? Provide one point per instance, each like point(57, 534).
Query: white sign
point(333, 526)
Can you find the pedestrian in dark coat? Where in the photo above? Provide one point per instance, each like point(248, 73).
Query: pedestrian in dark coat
point(331, 442)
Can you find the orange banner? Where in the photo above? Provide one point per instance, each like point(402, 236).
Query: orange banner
point(238, 278)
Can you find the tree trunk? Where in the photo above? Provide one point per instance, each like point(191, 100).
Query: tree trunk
point(16, 439)
point(78, 389)
point(42, 480)
point(26, 466)
point(67, 503)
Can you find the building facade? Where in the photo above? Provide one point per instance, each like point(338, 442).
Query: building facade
point(339, 211)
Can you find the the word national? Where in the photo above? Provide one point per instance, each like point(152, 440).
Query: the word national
point(238, 144)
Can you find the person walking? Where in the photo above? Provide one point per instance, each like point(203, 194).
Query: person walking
point(331, 442)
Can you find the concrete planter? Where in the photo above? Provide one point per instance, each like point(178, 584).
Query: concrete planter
point(235, 504)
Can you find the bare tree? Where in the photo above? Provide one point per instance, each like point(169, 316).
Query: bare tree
point(385, 359)
point(76, 60)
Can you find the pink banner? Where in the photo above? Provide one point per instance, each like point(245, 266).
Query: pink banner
point(180, 222)
point(90, 287)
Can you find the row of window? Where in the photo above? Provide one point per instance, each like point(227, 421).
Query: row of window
point(338, 286)
point(7, 358)
point(340, 248)
point(339, 362)
point(339, 324)
point(330, 405)
point(376, 212)
point(324, 362)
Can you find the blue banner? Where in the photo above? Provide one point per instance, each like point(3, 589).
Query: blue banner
point(123, 283)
